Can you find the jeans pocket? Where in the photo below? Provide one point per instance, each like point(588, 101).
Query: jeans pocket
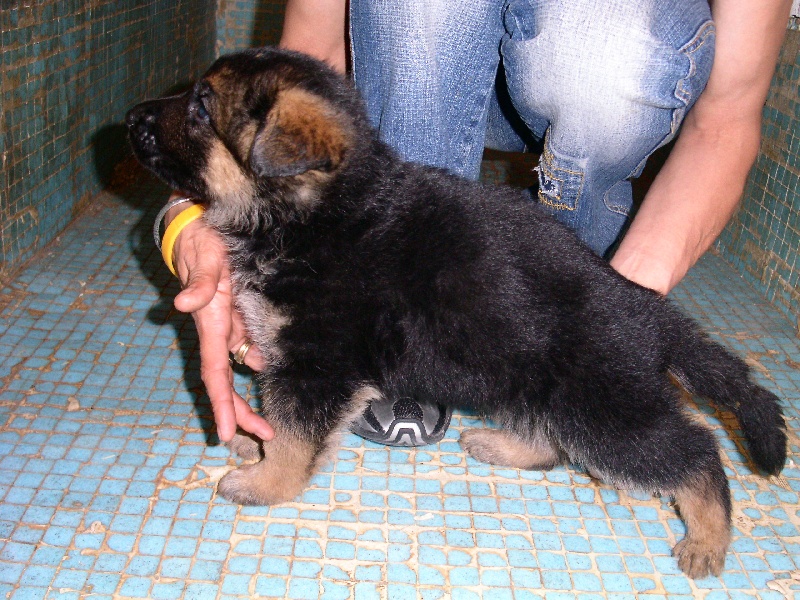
point(560, 181)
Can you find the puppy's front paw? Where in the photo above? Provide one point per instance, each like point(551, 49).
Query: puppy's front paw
point(260, 485)
point(246, 447)
point(698, 559)
point(235, 487)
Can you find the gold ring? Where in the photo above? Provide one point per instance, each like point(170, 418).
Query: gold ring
point(242, 351)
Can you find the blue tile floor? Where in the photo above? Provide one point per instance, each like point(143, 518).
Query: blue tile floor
point(108, 465)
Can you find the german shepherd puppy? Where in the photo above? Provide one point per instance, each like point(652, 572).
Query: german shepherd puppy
point(363, 277)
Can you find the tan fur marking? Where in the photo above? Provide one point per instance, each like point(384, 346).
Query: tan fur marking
point(359, 401)
point(702, 551)
point(246, 137)
point(227, 95)
point(263, 322)
point(226, 181)
point(503, 448)
point(312, 119)
point(303, 126)
point(280, 477)
point(289, 462)
point(224, 177)
point(218, 80)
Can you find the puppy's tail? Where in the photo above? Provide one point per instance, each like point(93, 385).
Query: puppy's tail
point(707, 369)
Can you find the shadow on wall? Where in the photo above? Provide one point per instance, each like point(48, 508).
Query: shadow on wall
point(68, 73)
point(110, 145)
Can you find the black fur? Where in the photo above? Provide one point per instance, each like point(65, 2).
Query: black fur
point(422, 284)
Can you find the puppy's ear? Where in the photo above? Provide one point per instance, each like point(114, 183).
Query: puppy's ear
point(301, 133)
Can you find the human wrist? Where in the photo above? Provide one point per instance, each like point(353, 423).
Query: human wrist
point(175, 205)
point(173, 212)
point(178, 214)
point(174, 229)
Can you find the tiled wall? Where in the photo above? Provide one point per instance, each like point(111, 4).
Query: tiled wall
point(763, 240)
point(68, 72)
point(248, 23)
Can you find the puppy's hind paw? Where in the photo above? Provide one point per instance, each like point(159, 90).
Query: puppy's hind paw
point(246, 447)
point(698, 559)
point(505, 449)
point(483, 445)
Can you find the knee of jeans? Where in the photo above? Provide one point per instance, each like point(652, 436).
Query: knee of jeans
point(611, 84)
point(610, 142)
point(592, 143)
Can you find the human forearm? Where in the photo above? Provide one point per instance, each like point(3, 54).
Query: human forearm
point(316, 27)
point(689, 203)
point(701, 183)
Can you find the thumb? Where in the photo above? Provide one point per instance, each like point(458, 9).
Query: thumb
point(201, 286)
point(200, 261)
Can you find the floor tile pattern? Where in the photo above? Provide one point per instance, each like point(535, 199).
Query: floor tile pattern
point(108, 463)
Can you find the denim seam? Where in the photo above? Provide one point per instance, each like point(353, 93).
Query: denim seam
point(615, 208)
point(546, 163)
point(469, 139)
point(681, 94)
point(688, 50)
point(507, 10)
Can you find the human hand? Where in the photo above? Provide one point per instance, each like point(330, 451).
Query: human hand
point(200, 259)
point(655, 272)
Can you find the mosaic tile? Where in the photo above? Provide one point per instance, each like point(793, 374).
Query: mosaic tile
point(762, 240)
point(70, 71)
point(108, 465)
point(248, 23)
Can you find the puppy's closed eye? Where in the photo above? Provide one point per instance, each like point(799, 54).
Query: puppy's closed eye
point(200, 104)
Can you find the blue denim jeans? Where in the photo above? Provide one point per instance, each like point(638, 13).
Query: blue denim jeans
point(601, 84)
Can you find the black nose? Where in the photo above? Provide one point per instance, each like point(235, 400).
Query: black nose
point(141, 115)
point(142, 124)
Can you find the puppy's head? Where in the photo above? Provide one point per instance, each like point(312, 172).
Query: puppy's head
point(260, 126)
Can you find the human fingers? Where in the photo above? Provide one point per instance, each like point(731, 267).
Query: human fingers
point(252, 357)
point(213, 323)
point(221, 394)
point(251, 421)
point(214, 326)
